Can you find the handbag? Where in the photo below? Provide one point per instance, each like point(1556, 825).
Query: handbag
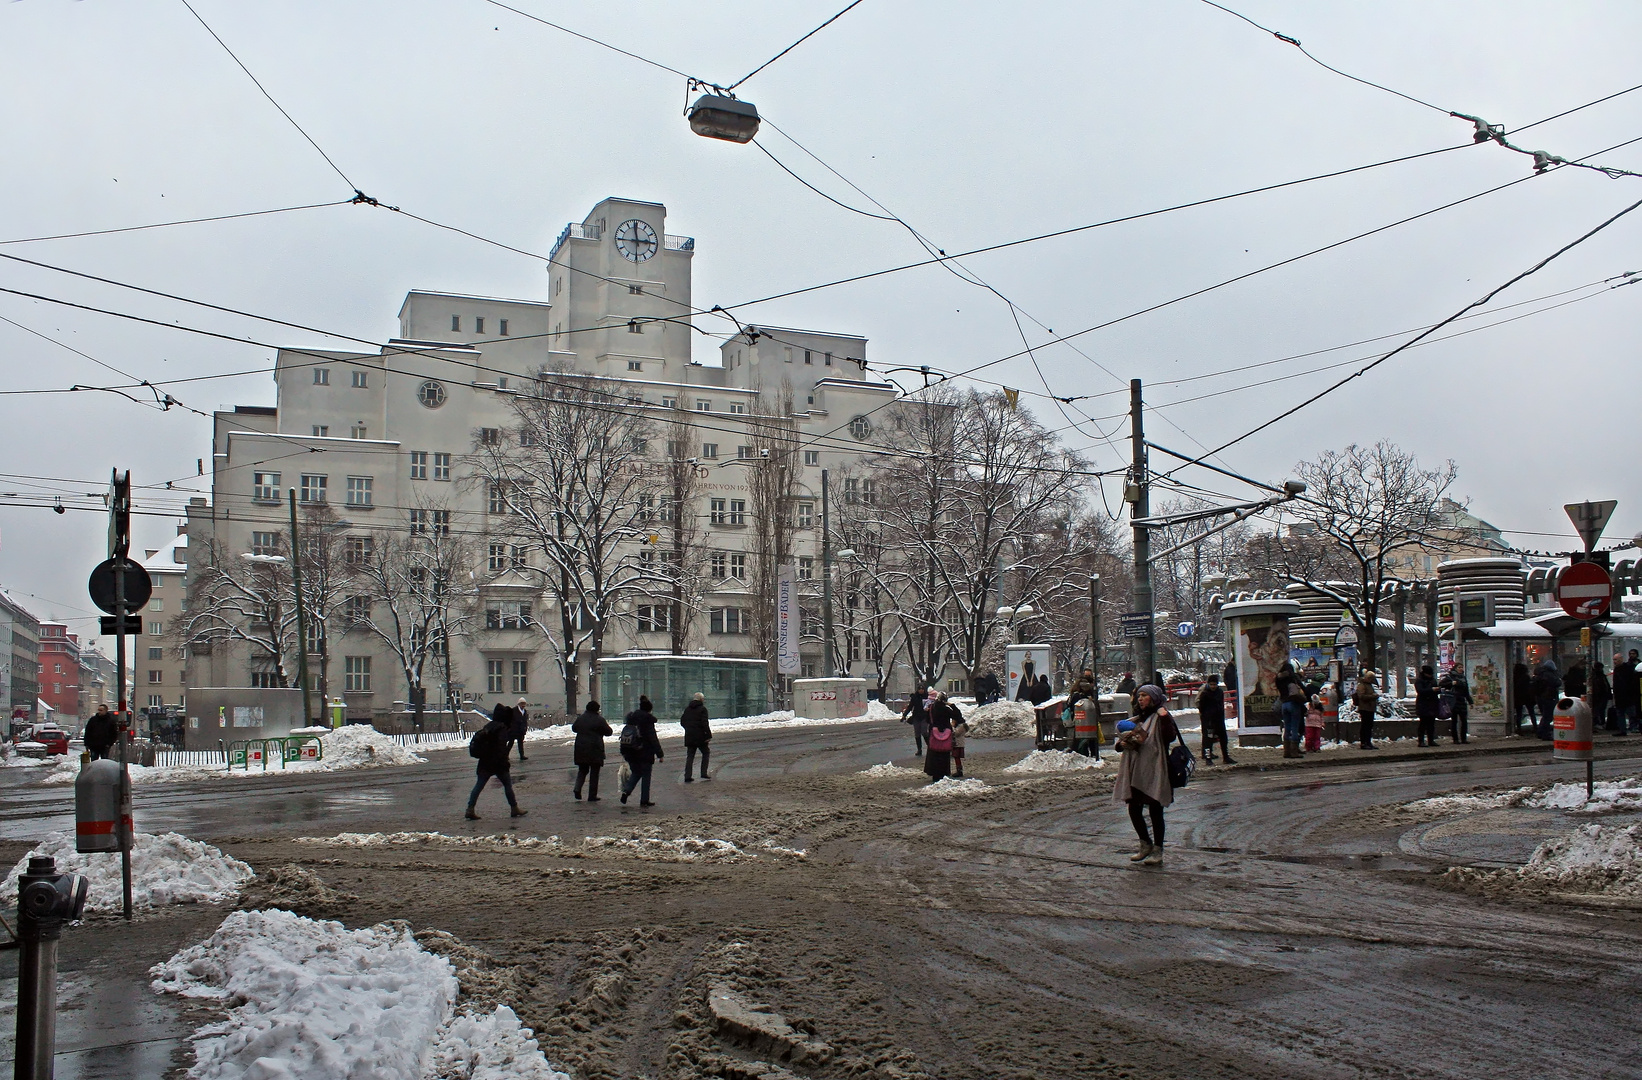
point(1182, 766)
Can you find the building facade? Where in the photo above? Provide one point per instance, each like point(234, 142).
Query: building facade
point(158, 657)
point(60, 673)
point(387, 443)
point(20, 657)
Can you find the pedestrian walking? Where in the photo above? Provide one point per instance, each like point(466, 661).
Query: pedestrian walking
point(1366, 697)
point(1211, 712)
point(1425, 706)
point(1459, 701)
point(960, 729)
point(1601, 695)
point(1291, 697)
point(642, 749)
point(1143, 771)
point(490, 744)
point(1314, 724)
point(938, 759)
point(697, 734)
point(519, 726)
point(917, 714)
point(591, 729)
point(1522, 696)
point(100, 734)
point(1627, 692)
point(1547, 687)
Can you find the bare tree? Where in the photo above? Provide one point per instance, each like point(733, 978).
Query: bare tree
point(326, 582)
point(772, 482)
point(1064, 621)
point(1371, 502)
point(1177, 577)
point(244, 598)
point(682, 557)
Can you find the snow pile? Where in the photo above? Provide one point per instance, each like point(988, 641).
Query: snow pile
point(1607, 797)
point(312, 998)
point(948, 785)
point(683, 849)
point(499, 842)
point(1461, 804)
point(359, 746)
point(1003, 720)
point(67, 770)
point(1051, 761)
point(165, 869)
point(552, 733)
point(1592, 858)
point(889, 770)
point(20, 761)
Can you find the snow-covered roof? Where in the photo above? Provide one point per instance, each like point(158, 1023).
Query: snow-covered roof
point(170, 559)
point(1517, 629)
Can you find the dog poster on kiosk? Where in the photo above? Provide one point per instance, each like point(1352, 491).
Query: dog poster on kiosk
point(1262, 643)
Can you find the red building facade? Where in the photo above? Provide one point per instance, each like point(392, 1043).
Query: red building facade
point(60, 673)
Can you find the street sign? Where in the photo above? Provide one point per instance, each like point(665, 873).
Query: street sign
point(138, 586)
point(1584, 590)
point(133, 625)
point(1345, 637)
point(1136, 624)
point(119, 514)
point(1590, 518)
point(1186, 629)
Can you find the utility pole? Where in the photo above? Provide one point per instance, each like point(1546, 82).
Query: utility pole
point(1094, 626)
point(1140, 507)
point(828, 663)
point(119, 536)
point(301, 615)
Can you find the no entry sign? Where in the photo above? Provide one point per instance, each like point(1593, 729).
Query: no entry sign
point(1585, 590)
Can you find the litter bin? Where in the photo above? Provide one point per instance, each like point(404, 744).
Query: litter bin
point(1571, 730)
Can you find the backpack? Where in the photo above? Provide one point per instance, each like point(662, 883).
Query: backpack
point(940, 739)
point(629, 736)
point(483, 743)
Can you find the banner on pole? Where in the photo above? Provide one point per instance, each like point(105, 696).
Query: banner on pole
point(786, 620)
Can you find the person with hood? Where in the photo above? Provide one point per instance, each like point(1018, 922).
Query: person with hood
point(1367, 700)
point(100, 734)
point(519, 726)
point(1547, 690)
point(1522, 696)
point(1601, 694)
point(591, 729)
point(917, 714)
point(1425, 706)
point(490, 744)
point(1211, 711)
point(1143, 771)
point(697, 734)
point(642, 749)
point(1455, 692)
point(942, 738)
point(1627, 691)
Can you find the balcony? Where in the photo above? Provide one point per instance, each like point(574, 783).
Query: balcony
point(574, 231)
point(679, 243)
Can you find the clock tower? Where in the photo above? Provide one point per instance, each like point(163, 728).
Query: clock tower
point(620, 290)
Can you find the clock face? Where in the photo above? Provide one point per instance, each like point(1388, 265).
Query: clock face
point(636, 240)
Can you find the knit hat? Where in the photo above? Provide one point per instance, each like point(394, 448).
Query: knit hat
point(1156, 692)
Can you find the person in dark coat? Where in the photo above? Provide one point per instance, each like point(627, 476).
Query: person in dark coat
point(491, 746)
point(1041, 691)
point(1601, 694)
point(1126, 685)
point(642, 751)
point(917, 714)
point(1425, 706)
point(1522, 696)
point(1573, 683)
point(591, 730)
point(1459, 706)
point(1229, 676)
point(1547, 689)
point(1211, 712)
point(942, 715)
point(697, 734)
point(987, 688)
point(1627, 692)
point(1367, 700)
point(519, 726)
point(100, 734)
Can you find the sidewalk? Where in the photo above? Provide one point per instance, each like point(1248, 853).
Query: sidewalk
point(1257, 757)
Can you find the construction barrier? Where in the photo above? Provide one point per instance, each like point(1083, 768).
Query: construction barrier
point(246, 753)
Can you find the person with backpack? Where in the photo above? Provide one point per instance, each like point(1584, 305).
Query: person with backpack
point(917, 714)
point(591, 729)
point(938, 759)
point(490, 744)
point(641, 748)
point(698, 732)
point(1143, 771)
point(519, 726)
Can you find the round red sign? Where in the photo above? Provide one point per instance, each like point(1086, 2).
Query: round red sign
point(1584, 590)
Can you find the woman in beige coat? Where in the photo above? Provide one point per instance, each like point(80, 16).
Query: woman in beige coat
point(1143, 771)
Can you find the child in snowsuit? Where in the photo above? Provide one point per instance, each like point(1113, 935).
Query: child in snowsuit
point(1314, 725)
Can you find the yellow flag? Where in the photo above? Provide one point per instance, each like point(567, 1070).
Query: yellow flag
point(1013, 397)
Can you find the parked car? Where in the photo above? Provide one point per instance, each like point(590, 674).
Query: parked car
point(54, 739)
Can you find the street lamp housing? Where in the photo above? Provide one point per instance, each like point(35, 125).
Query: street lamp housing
point(715, 116)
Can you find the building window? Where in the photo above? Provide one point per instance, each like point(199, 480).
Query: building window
point(478, 324)
point(356, 671)
point(156, 652)
point(264, 680)
point(456, 323)
point(669, 402)
point(489, 436)
point(441, 466)
point(156, 605)
point(153, 677)
point(703, 405)
point(418, 464)
point(717, 563)
point(507, 615)
point(418, 522)
point(655, 619)
point(521, 677)
point(812, 457)
point(634, 327)
point(441, 522)
point(829, 360)
point(357, 550)
point(313, 488)
point(322, 431)
point(156, 629)
point(264, 543)
point(809, 623)
point(719, 512)
point(869, 491)
point(664, 508)
point(806, 568)
point(806, 515)
point(727, 620)
point(497, 498)
point(265, 486)
point(357, 609)
point(738, 511)
point(494, 676)
point(738, 565)
point(322, 376)
point(852, 490)
point(361, 379)
point(808, 358)
point(709, 450)
point(742, 453)
point(501, 327)
point(359, 491)
point(156, 701)
point(357, 432)
point(738, 407)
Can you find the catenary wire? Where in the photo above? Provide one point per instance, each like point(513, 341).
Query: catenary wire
point(794, 45)
point(171, 224)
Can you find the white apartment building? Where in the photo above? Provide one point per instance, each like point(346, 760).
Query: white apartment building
point(379, 434)
point(158, 660)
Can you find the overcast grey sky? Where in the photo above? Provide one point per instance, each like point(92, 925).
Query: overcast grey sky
point(977, 123)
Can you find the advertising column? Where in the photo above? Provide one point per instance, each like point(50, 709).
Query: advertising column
point(1260, 644)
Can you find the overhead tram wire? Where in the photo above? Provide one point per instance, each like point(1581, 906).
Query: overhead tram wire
point(850, 6)
point(593, 40)
point(1424, 334)
point(172, 224)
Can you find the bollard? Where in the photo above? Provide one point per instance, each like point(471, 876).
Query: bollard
point(45, 900)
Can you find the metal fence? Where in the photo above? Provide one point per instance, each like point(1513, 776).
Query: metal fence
point(433, 739)
point(190, 757)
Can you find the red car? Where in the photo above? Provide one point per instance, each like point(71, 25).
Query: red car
point(54, 739)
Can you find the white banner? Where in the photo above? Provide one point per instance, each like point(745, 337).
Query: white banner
point(786, 621)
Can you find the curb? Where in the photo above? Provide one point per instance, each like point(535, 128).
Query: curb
point(1604, 751)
